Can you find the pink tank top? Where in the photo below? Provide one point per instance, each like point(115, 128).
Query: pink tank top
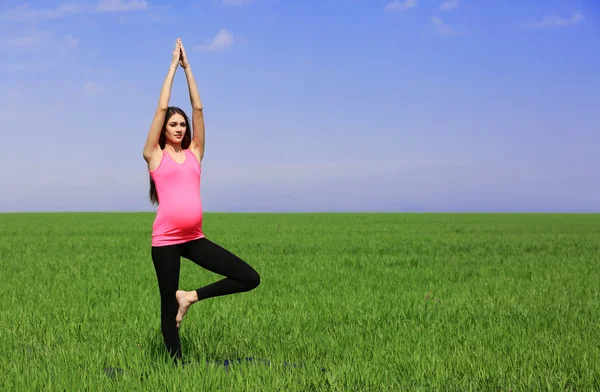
point(179, 214)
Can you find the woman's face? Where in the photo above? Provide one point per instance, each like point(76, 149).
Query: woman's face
point(176, 128)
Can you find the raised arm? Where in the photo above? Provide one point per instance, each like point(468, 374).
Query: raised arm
point(197, 145)
point(152, 148)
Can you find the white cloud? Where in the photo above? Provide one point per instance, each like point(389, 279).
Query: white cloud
point(37, 40)
point(93, 89)
point(26, 42)
point(443, 29)
point(24, 13)
point(223, 40)
point(397, 5)
point(235, 2)
point(553, 21)
point(448, 5)
point(121, 5)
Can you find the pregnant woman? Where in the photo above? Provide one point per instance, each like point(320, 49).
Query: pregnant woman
point(174, 160)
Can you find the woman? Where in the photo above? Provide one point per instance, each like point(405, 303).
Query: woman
point(174, 163)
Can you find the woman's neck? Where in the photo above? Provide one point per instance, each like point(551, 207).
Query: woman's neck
point(174, 148)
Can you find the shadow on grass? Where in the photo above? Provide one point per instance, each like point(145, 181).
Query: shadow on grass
point(157, 352)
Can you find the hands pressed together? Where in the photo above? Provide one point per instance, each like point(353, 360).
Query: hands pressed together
point(179, 56)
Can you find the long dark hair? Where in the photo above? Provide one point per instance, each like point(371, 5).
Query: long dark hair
point(185, 143)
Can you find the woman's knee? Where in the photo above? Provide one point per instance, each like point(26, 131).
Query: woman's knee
point(253, 280)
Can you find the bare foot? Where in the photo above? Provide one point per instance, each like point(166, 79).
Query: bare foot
point(185, 299)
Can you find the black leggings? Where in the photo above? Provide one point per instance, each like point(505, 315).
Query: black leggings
point(240, 277)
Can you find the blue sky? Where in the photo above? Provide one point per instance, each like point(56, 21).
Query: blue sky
point(331, 105)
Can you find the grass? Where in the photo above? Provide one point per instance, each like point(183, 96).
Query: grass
point(347, 302)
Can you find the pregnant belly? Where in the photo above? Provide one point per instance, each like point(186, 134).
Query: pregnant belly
point(179, 218)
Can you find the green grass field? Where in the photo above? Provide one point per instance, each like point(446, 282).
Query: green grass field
point(347, 302)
